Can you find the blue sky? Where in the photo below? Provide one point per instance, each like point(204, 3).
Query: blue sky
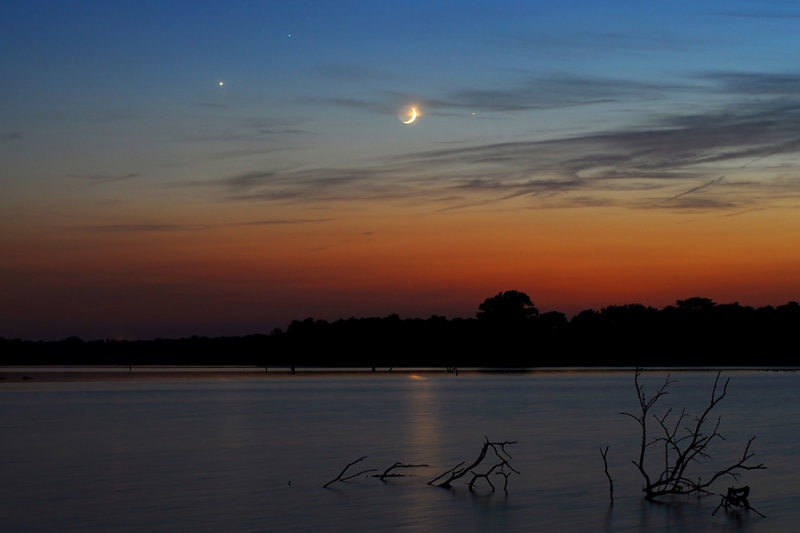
point(527, 69)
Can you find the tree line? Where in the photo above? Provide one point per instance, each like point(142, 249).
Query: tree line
point(508, 331)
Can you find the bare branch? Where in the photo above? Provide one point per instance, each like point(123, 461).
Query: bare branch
point(340, 478)
point(505, 480)
point(440, 476)
point(386, 473)
point(485, 476)
point(684, 444)
point(459, 471)
point(736, 498)
point(604, 453)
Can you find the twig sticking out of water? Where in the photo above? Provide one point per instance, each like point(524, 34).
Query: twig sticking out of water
point(736, 498)
point(386, 473)
point(604, 453)
point(460, 471)
point(351, 476)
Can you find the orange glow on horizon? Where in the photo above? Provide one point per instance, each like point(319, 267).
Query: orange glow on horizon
point(376, 263)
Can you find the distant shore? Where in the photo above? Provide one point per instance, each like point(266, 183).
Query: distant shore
point(53, 374)
point(695, 332)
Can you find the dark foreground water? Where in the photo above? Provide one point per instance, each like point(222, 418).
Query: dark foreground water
point(252, 455)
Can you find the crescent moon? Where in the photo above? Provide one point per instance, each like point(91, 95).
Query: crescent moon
point(413, 116)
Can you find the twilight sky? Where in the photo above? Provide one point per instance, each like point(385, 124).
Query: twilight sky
point(198, 167)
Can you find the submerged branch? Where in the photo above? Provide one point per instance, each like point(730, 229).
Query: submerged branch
point(737, 498)
point(386, 473)
point(604, 453)
point(459, 471)
point(341, 474)
point(684, 444)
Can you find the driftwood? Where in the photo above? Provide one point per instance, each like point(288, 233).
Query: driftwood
point(388, 472)
point(502, 468)
point(684, 442)
point(341, 476)
point(604, 454)
point(736, 498)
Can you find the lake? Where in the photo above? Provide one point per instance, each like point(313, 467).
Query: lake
point(232, 454)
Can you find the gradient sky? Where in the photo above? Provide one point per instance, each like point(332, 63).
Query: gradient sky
point(588, 153)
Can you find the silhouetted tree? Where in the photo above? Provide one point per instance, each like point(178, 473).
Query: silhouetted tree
point(508, 307)
point(553, 321)
point(684, 442)
point(696, 304)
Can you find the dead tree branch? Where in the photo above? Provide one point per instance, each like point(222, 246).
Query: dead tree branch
point(387, 473)
point(736, 498)
point(604, 453)
point(503, 467)
point(341, 474)
point(683, 444)
point(440, 476)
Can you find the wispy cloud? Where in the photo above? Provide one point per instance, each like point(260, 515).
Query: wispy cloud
point(238, 137)
point(551, 92)
point(759, 14)
point(276, 127)
point(144, 228)
point(306, 185)
point(166, 228)
point(743, 212)
point(213, 105)
point(249, 179)
point(518, 91)
point(252, 129)
point(380, 105)
point(695, 189)
point(281, 222)
point(670, 162)
point(698, 204)
point(671, 150)
point(564, 43)
point(104, 178)
point(755, 83)
point(11, 136)
point(351, 72)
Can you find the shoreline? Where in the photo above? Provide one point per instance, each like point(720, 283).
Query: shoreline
point(52, 374)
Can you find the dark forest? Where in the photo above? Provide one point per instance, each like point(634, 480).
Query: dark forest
point(507, 332)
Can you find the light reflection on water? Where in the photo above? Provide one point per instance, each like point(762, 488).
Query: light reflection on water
point(253, 454)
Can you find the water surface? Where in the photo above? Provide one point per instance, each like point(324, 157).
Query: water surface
point(241, 455)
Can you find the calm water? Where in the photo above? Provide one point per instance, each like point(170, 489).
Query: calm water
point(244, 455)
